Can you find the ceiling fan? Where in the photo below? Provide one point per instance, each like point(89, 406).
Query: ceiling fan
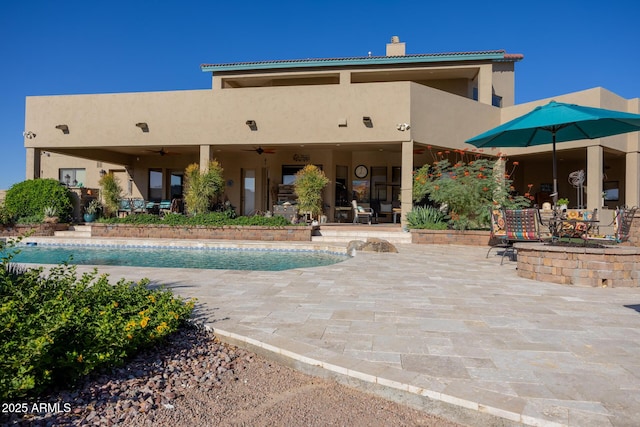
point(163, 152)
point(261, 150)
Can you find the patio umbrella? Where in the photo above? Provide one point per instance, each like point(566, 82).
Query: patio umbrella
point(558, 122)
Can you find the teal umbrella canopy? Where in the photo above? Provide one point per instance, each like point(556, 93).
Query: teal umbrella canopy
point(568, 122)
point(558, 122)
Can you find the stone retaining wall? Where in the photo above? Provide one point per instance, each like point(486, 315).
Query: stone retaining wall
point(607, 267)
point(44, 229)
point(450, 237)
point(287, 233)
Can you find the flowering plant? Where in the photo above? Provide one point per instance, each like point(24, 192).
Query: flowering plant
point(468, 190)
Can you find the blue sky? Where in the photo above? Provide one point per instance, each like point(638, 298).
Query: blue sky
point(72, 47)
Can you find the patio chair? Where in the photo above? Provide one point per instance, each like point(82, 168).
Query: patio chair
point(164, 207)
point(520, 225)
point(497, 233)
point(138, 206)
point(361, 214)
point(622, 220)
point(124, 207)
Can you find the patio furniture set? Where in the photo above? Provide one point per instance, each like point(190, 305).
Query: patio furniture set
point(509, 226)
point(129, 206)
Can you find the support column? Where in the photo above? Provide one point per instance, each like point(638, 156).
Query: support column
point(631, 179)
point(406, 181)
point(345, 77)
point(595, 161)
point(485, 84)
point(205, 158)
point(33, 166)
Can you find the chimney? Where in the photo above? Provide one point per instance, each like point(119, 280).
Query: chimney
point(395, 48)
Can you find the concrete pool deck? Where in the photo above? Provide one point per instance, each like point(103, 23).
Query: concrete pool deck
point(439, 327)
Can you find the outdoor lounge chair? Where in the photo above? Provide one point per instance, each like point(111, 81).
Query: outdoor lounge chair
point(497, 234)
point(361, 214)
point(622, 220)
point(520, 225)
point(124, 207)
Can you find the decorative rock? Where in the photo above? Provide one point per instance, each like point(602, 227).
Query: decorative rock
point(372, 244)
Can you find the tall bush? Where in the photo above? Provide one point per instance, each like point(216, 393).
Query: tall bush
point(111, 192)
point(201, 188)
point(467, 190)
point(308, 186)
point(30, 198)
point(58, 326)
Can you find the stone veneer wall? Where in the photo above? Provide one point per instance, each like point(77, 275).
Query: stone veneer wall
point(606, 267)
point(44, 229)
point(287, 233)
point(450, 237)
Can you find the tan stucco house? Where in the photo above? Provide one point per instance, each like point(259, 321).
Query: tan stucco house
point(367, 121)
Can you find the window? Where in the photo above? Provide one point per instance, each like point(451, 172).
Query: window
point(155, 185)
point(72, 177)
point(379, 183)
point(176, 185)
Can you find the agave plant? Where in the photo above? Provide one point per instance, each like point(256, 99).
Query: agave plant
point(427, 217)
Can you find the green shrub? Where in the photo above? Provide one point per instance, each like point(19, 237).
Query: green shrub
point(201, 188)
point(5, 217)
point(28, 199)
point(427, 217)
point(308, 186)
point(57, 327)
point(467, 190)
point(212, 219)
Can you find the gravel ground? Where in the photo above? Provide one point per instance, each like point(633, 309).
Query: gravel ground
point(193, 379)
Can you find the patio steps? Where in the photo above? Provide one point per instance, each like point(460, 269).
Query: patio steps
point(345, 234)
point(75, 231)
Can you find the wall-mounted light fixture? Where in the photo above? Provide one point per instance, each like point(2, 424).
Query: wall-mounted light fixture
point(63, 128)
point(252, 124)
point(28, 134)
point(367, 121)
point(102, 172)
point(144, 126)
point(403, 126)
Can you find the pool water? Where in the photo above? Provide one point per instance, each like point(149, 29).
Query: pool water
point(210, 258)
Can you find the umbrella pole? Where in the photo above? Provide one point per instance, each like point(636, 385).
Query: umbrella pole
point(555, 171)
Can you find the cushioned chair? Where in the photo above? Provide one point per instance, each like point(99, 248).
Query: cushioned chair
point(497, 233)
point(124, 207)
point(622, 220)
point(520, 225)
point(361, 214)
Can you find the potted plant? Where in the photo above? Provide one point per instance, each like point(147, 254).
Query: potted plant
point(50, 215)
point(91, 210)
point(563, 203)
point(308, 186)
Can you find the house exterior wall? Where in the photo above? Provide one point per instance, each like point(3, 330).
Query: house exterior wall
point(314, 116)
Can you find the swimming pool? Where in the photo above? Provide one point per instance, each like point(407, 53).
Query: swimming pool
point(168, 257)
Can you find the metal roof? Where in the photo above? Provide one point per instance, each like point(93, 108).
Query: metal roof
point(495, 55)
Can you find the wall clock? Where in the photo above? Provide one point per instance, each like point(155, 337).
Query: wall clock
point(361, 171)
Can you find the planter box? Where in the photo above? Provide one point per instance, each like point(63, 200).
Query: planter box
point(450, 237)
point(44, 229)
point(229, 232)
